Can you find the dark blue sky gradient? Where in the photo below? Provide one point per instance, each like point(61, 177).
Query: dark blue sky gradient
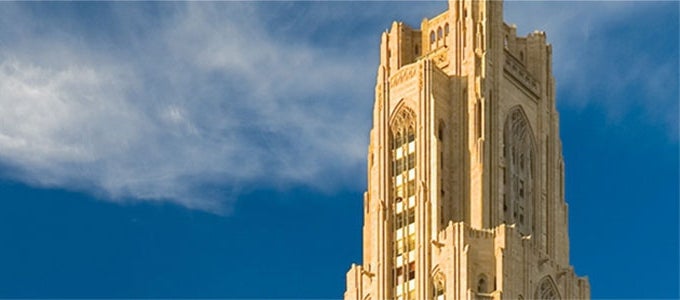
point(622, 191)
point(63, 244)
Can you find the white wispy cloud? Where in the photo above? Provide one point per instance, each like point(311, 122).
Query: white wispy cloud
point(211, 102)
point(205, 100)
point(604, 50)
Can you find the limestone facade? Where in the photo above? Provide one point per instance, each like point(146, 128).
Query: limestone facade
point(465, 194)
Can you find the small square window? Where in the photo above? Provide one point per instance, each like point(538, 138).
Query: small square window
point(411, 242)
point(411, 216)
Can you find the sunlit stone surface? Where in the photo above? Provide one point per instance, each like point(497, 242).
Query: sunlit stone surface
point(465, 192)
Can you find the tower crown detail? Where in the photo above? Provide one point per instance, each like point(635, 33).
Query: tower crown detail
point(465, 194)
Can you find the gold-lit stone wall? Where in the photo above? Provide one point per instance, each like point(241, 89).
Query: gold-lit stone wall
point(487, 185)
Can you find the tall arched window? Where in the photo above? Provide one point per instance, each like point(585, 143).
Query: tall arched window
point(439, 33)
point(547, 290)
point(403, 155)
point(446, 29)
point(432, 38)
point(519, 171)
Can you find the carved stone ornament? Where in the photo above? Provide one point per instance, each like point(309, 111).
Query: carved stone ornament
point(442, 57)
point(404, 118)
point(402, 75)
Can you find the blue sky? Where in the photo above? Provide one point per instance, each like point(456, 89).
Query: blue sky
point(218, 149)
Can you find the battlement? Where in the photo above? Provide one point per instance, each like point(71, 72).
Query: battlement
point(402, 44)
point(435, 32)
point(466, 36)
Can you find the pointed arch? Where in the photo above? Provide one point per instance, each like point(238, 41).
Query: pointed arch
point(403, 137)
point(519, 151)
point(402, 116)
point(439, 285)
point(547, 289)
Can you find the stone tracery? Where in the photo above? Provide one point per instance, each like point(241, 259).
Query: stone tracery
point(547, 290)
point(403, 153)
point(518, 177)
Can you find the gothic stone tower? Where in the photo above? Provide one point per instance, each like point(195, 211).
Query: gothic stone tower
point(465, 192)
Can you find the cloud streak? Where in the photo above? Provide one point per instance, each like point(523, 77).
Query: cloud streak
point(212, 102)
point(194, 103)
point(605, 50)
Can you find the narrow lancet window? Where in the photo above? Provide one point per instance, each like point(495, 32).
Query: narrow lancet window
point(404, 208)
point(518, 174)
